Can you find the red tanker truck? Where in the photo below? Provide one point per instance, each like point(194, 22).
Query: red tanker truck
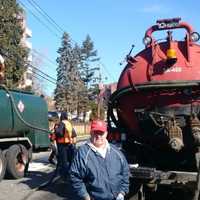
point(156, 110)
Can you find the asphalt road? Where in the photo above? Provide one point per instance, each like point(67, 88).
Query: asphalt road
point(40, 172)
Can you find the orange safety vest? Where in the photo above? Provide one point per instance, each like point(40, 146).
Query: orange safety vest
point(52, 136)
point(67, 139)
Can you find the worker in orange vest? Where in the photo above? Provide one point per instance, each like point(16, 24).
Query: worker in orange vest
point(53, 147)
point(65, 136)
point(53, 123)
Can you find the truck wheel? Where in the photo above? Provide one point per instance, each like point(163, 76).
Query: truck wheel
point(30, 155)
point(2, 165)
point(17, 161)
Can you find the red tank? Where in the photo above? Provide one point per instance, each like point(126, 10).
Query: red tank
point(157, 101)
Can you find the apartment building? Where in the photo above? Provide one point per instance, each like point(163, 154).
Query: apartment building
point(27, 34)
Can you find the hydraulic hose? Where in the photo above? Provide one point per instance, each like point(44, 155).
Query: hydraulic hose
point(54, 177)
point(18, 114)
point(117, 94)
point(162, 85)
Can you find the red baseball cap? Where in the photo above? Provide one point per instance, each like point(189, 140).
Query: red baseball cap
point(98, 125)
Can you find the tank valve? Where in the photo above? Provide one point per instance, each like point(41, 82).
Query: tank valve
point(195, 129)
point(176, 144)
point(174, 133)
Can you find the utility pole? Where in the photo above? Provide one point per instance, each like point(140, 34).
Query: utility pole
point(99, 102)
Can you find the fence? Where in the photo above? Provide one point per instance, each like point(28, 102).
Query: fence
point(81, 128)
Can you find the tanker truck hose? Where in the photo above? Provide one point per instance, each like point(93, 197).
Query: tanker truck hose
point(53, 179)
point(124, 91)
point(111, 104)
point(18, 114)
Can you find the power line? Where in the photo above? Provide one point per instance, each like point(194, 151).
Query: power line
point(35, 74)
point(38, 78)
point(43, 77)
point(38, 19)
point(45, 57)
point(107, 71)
point(29, 65)
point(48, 18)
point(45, 14)
point(53, 22)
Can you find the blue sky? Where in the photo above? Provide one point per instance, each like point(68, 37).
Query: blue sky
point(113, 25)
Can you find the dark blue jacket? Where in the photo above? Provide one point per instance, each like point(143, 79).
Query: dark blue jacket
point(100, 178)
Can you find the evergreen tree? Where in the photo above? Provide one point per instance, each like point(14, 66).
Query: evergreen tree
point(74, 76)
point(67, 77)
point(87, 71)
point(80, 86)
point(88, 58)
point(11, 49)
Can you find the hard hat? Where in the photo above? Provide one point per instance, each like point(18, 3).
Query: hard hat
point(98, 125)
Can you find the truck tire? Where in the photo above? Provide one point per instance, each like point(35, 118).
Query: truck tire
point(17, 161)
point(2, 165)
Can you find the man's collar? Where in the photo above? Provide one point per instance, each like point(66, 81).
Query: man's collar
point(95, 149)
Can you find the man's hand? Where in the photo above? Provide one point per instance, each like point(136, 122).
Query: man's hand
point(87, 198)
point(120, 196)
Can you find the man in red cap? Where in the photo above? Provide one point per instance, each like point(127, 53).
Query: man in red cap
point(99, 170)
point(98, 134)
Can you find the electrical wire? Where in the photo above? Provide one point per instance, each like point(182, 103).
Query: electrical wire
point(54, 177)
point(38, 19)
point(31, 66)
point(46, 16)
point(48, 78)
point(46, 57)
point(18, 114)
point(107, 71)
point(40, 77)
point(53, 22)
point(43, 77)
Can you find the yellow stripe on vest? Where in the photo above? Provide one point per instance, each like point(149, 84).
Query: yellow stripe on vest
point(68, 127)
